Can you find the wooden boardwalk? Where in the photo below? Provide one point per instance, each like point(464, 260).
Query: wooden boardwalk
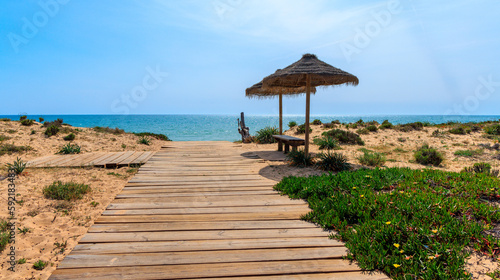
point(199, 210)
point(99, 159)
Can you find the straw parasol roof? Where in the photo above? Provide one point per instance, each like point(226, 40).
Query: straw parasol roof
point(321, 73)
point(257, 91)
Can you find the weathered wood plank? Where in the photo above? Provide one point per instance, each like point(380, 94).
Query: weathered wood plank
point(295, 209)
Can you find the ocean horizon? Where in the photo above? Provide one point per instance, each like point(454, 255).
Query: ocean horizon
point(197, 127)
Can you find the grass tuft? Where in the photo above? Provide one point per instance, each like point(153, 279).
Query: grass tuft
point(265, 135)
point(65, 191)
point(372, 159)
point(426, 155)
point(333, 162)
point(344, 137)
point(158, 136)
point(70, 149)
point(298, 158)
point(326, 143)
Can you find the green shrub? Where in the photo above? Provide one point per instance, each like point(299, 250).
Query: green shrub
point(144, 140)
point(372, 159)
point(426, 155)
point(158, 136)
point(460, 130)
point(40, 120)
point(40, 265)
point(18, 166)
point(11, 148)
point(4, 234)
point(115, 130)
point(298, 158)
point(301, 129)
point(317, 122)
point(58, 123)
point(51, 130)
point(5, 119)
point(363, 131)
point(438, 133)
point(292, 124)
point(469, 153)
point(386, 125)
point(344, 137)
point(493, 129)
point(333, 162)
point(326, 142)
point(372, 128)
point(410, 127)
point(329, 125)
point(27, 122)
point(360, 122)
point(70, 149)
point(65, 191)
point(4, 137)
point(352, 125)
point(69, 137)
point(410, 224)
point(265, 135)
point(22, 118)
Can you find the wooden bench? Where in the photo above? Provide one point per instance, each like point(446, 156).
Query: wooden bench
point(288, 141)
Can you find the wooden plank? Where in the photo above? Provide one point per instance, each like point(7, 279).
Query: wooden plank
point(152, 179)
point(130, 159)
point(201, 235)
point(204, 245)
point(182, 194)
point(179, 184)
point(196, 226)
point(143, 158)
point(235, 199)
point(207, 270)
point(357, 275)
point(296, 209)
point(119, 159)
point(201, 257)
point(87, 161)
point(103, 158)
point(108, 159)
point(160, 189)
point(39, 161)
point(118, 204)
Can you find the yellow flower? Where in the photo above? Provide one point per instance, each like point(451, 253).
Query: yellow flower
point(492, 189)
point(361, 196)
point(396, 265)
point(353, 188)
point(396, 245)
point(430, 257)
point(388, 223)
point(401, 192)
point(434, 230)
point(402, 251)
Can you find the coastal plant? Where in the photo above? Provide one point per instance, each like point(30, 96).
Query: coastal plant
point(40, 120)
point(69, 137)
point(33, 132)
point(4, 234)
point(51, 130)
point(482, 168)
point(317, 122)
point(265, 135)
point(292, 124)
point(18, 166)
point(326, 143)
point(4, 137)
point(23, 117)
point(70, 149)
point(144, 140)
point(372, 128)
point(372, 159)
point(410, 127)
point(158, 136)
point(299, 158)
point(301, 129)
point(329, 125)
point(410, 224)
point(40, 265)
point(27, 122)
point(11, 148)
point(401, 139)
point(460, 130)
point(115, 130)
point(23, 230)
point(438, 134)
point(5, 119)
point(332, 162)
point(493, 129)
point(386, 125)
point(344, 137)
point(426, 155)
point(65, 191)
point(58, 123)
point(363, 131)
point(21, 261)
point(469, 153)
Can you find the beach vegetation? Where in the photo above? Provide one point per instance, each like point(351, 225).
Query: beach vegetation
point(51, 130)
point(460, 130)
point(58, 123)
point(23, 117)
point(469, 153)
point(332, 162)
point(438, 133)
point(372, 159)
point(481, 168)
point(40, 120)
point(21, 261)
point(27, 122)
point(360, 122)
point(492, 129)
point(329, 125)
point(109, 130)
point(351, 125)
point(428, 156)
point(299, 158)
point(70, 149)
point(158, 136)
point(326, 143)
point(23, 230)
point(40, 265)
point(344, 136)
point(265, 135)
point(415, 126)
point(69, 137)
point(18, 166)
point(4, 137)
point(363, 131)
point(292, 124)
point(144, 140)
point(11, 148)
point(33, 132)
point(4, 234)
point(5, 120)
point(65, 191)
point(94, 203)
point(124, 146)
point(317, 122)
point(417, 224)
point(11, 131)
point(301, 129)
point(401, 139)
point(386, 125)
point(488, 146)
point(372, 128)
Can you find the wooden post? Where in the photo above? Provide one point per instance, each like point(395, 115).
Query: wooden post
point(308, 100)
point(242, 129)
point(280, 145)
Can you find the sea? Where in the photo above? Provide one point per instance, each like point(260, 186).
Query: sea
point(225, 127)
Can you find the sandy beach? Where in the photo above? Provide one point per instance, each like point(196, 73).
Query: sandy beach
point(54, 227)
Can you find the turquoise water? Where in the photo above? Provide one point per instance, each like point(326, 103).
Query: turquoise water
point(225, 127)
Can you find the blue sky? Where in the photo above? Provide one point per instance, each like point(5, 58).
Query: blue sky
point(199, 56)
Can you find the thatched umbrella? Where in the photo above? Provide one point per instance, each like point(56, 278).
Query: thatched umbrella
point(257, 91)
point(310, 72)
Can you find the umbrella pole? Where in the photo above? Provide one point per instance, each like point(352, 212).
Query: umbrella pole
point(308, 100)
point(281, 114)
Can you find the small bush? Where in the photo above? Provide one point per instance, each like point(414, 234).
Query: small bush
point(493, 129)
point(5, 119)
point(18, 166)
point(352, 125)
point(469, 153)
point(40, 120)
point(298, 158)
point(360, 122)
point(483, 168)
point(27, 122)
point(402, 139)
point(426, 155)
point(410, 127)
point(65, 191)
point(372, 128)
point(292, 124)
point(333, 162)
point(4, 234)
point(51, 130)
point(4, 137)
point(372, 159)
point(265, 135)
point(317, 122)
point(40, 265)
point(33, 132)
point(144, 140)
point(345, 137)
point(70, 149)
point(115, 130)
point(11, 148)
point(460, 130)
point(301, 129)
point(158, 136)
point(363, 131)
point(437, 133)
point(329, 125)
point(326, 142)
point(22, 118)
point(386, 125)
point(69, 137)
point(58, 123)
